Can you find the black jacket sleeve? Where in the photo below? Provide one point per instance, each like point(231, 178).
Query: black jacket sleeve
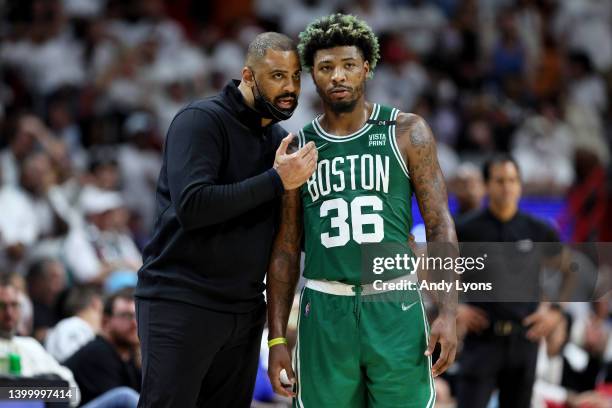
point(194, 150)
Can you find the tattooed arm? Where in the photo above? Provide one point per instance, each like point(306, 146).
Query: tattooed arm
point(419, 150)
point(418, 147)
point(283, 274)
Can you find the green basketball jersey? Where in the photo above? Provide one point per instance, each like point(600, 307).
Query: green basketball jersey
point(360, 194)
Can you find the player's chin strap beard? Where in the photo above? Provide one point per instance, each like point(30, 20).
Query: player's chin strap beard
point(266, 108)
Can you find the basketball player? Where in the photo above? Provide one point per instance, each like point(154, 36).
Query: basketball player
point(355, 348)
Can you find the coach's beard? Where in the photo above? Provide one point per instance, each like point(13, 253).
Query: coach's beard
point(268, 109)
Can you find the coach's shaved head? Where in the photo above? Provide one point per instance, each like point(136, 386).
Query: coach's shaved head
point(271, 77)
point(268, 41)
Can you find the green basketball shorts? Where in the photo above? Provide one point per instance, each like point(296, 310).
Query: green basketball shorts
point(356, 350)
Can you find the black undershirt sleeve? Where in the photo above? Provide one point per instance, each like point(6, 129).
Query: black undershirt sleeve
point(194, 149)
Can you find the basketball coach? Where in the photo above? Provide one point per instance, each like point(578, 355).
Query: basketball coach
point(200, 306)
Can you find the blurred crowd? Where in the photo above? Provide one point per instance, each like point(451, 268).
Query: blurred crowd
point(88, 89)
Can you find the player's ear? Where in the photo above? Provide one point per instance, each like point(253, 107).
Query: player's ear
point(366, 69)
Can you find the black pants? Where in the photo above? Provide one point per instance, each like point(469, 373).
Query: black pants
point(195, 357)
point(493, 362)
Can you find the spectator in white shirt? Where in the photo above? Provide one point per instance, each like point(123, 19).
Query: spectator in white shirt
point(48, 42)
point(544, 148)
point(103, 246)
point(18, 229)
point(586, 87)
point(84, 305)
point(38, 177)
point(585, 25)
point(34, 358)
point(421, 24)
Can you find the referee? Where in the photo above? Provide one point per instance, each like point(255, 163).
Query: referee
point(501, 344)
point(200, 307)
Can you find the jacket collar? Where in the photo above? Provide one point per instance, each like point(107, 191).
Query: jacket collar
point(247, 116)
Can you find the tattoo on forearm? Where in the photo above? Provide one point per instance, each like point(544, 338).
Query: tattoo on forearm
point(429, 186)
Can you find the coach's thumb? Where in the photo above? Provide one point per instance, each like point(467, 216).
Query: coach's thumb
point(282, 149)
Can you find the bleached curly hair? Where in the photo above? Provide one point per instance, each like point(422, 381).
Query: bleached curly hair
point(337, 30)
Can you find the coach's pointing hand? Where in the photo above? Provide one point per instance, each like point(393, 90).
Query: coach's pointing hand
point(295, 168)
point(277, 361)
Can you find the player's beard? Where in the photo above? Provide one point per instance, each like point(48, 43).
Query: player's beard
point(342, 106)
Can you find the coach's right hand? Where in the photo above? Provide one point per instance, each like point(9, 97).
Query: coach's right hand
point(277, 361)
point(295, 168)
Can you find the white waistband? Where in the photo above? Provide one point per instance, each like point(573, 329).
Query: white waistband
point(343, 289)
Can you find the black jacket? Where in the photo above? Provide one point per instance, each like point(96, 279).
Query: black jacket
point(218, 200)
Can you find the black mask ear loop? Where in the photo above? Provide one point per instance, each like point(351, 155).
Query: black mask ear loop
point(259, 95)
point(258, 98)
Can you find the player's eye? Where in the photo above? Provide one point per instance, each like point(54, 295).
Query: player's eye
point(278, 75)
point(349, 65)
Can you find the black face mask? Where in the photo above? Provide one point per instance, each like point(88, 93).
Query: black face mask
point(267, 109)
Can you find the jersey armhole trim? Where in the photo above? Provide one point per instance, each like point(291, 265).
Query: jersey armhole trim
point(396, 151)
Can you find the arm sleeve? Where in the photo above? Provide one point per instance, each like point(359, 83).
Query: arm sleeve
point(194, 151)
